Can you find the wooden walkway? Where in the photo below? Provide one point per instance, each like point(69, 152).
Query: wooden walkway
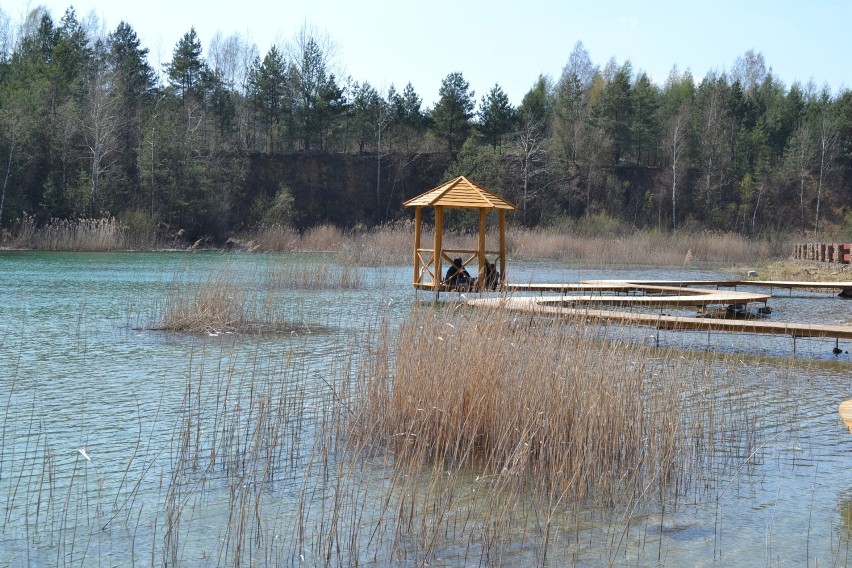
point(628, 293)
point(784, 284)
point(551, 306)
point(625, 285)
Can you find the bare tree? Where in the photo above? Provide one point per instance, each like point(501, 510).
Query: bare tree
point(828, 147)
point(11, 119)
point(231, 58)
point(676, 149)
point(101, 123)
point(714, 159)
point(800, 156)
point(750, 70)
point(530, 160)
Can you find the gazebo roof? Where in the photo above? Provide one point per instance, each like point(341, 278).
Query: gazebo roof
point(460, 192)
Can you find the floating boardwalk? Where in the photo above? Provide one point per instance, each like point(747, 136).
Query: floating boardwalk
point(616, 285)
point(585, 299)
point(558, 307)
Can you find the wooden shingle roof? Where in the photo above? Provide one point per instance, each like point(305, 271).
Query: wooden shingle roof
point(460, 192)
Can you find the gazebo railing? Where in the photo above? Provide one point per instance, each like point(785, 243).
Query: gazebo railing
point(425, 277)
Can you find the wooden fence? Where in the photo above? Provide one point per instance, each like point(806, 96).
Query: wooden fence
point(835, 253)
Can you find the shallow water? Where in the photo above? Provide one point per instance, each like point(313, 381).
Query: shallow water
point(92, 404)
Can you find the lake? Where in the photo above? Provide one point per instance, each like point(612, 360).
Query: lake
point(127, 446)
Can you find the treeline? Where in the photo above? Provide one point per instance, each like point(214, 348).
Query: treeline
point(88, 129)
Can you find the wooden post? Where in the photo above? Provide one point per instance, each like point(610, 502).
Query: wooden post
point(480, 278)
point(417, 220)
point(502, 214)
point(439, 247)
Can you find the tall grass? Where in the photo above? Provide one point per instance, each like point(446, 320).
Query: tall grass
point(645, 247)
point(315, 275)
point(104, 234)
point(543, 402)
point(391, 244)
point(224, 301)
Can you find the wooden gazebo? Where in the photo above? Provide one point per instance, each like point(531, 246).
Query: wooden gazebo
point(463, 194)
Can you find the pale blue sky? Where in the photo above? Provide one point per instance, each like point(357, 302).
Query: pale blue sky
point(511, 43)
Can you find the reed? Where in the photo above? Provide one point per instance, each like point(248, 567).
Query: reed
point(276, 238)
point(225, 301)
point(644, 247)
point(544, 402)
point(504, 435)
point(314, 275)
point(93, 235)
point(386, 245)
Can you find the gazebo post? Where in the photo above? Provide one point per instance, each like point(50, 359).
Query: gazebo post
point(439, 248)
point(417, 219)
point(502, 215)
point(480, 277)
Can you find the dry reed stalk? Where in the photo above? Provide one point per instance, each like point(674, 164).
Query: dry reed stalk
point(323, 238)
point(385, 245)
point(224, 302)
point(313, 276)
point(644, 247)
point(91, 235)
point(544, 402)
point(276, 239)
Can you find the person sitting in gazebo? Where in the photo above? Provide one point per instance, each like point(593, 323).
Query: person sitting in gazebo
point(492, 276)
point(457, 276)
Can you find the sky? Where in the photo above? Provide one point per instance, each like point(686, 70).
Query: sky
point(510, 43)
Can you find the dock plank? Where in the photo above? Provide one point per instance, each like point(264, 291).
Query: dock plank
point(556, 307)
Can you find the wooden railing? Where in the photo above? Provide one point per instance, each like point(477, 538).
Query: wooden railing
point(425, 278)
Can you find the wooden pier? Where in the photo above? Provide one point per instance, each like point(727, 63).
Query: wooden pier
point(557, 307)
point(649, 294)
point(844, 288)
point(585, 300)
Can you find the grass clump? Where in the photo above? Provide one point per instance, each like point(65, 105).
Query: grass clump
point(94, 235)
point(223, 302)
point(542, 403)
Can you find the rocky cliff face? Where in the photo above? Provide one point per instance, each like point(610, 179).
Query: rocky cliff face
point(337, 188)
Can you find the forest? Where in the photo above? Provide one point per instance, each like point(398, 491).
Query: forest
point(225, 141)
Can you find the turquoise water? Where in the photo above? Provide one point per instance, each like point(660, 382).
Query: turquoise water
point(93, 466)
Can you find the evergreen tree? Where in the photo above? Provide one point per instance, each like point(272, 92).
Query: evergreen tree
point(133, 83)
point(270, 98)
point(496, 116)
point(453, 112)
point(187, 69)
point(614, 112)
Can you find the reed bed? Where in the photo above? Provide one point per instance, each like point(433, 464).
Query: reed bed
point(225, 301)
point(93, 235)
point(547, 403)
point(505, 433)
point(390, 244)
point(294, 275)
point(276, 238)
point(644, 248)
